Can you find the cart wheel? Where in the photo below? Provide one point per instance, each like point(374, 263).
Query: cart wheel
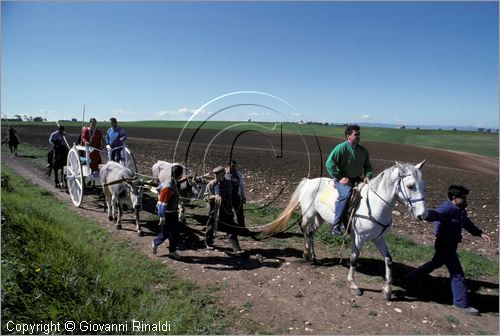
point(74, 177)
point(130, 161)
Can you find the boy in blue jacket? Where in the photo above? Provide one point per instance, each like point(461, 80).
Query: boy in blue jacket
point(449, 219)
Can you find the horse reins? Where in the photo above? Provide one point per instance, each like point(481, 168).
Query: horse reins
point(407, 199)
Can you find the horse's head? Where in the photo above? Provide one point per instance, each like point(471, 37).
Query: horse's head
point(135, 191)
point(410, 188)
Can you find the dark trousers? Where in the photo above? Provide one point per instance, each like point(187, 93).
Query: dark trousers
point(226, 222)
point(238, 209)
point(116, 154)
point(169, 230)
point(13, 149)
point(446, 254)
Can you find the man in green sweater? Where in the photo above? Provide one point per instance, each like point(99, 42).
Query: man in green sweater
point(346, 165)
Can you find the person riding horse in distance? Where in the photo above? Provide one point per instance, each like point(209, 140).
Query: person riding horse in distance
point(56, 139)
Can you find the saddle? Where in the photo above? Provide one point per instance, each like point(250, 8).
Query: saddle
point(352, 206)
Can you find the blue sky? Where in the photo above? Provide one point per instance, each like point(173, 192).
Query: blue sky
point(382, 62)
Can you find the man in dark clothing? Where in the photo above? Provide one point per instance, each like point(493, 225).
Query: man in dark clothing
point(219, 193)
point(13, 141)
point(238, 197)
point(56, 139)
point(167, 207)
point(449, 219)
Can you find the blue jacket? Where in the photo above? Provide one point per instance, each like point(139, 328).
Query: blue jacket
point(449, 221)
point(113, 137)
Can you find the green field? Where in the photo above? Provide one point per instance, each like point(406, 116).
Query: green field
point(463, 141)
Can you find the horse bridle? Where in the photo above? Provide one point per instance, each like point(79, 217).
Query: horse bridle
point(407, 199)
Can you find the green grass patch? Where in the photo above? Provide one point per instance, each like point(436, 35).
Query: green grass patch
point(403, 249)
point(31, 150)
point(57, 266)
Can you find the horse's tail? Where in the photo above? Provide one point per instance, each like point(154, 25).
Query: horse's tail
point(279, 224)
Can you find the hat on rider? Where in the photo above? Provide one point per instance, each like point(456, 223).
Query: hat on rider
point(218, 169)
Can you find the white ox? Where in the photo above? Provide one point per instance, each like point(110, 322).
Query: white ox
point(118, 184)
point(192, 187)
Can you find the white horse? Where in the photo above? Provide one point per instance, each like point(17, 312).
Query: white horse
point(372, 218)
point(192, 187)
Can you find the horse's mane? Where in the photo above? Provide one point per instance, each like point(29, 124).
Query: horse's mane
point(375, 182)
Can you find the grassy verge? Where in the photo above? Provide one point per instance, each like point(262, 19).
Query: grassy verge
point(57, 266)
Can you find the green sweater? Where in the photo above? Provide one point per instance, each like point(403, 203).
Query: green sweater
point(345, 161)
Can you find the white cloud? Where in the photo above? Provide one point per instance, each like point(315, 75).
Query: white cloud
point(181, 112)
point(296, 114)
point(364, 117)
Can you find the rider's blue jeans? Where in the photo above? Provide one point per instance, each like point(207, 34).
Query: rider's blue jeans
point(345, 192)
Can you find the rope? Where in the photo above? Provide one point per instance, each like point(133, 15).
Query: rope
point(344, 236)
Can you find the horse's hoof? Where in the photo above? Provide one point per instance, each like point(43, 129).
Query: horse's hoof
point(387, 296)
point(315, 261)
point(356, 291)
point(110, 218)
point(307, 257)
point(140, 233)
point(118, 227)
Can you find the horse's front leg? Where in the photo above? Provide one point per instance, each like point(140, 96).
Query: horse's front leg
point(137, 223)
point(56, 178)
point(384, 251)
point(120, 214)
point(356, 246)
point(109, 206)
point(115, 205)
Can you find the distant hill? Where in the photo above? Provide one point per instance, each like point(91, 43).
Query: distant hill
point(429, 127)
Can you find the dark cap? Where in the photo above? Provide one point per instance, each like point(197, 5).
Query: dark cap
point(112, 119)
point(457, 191)
point(60, 128)
point(218, 169)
